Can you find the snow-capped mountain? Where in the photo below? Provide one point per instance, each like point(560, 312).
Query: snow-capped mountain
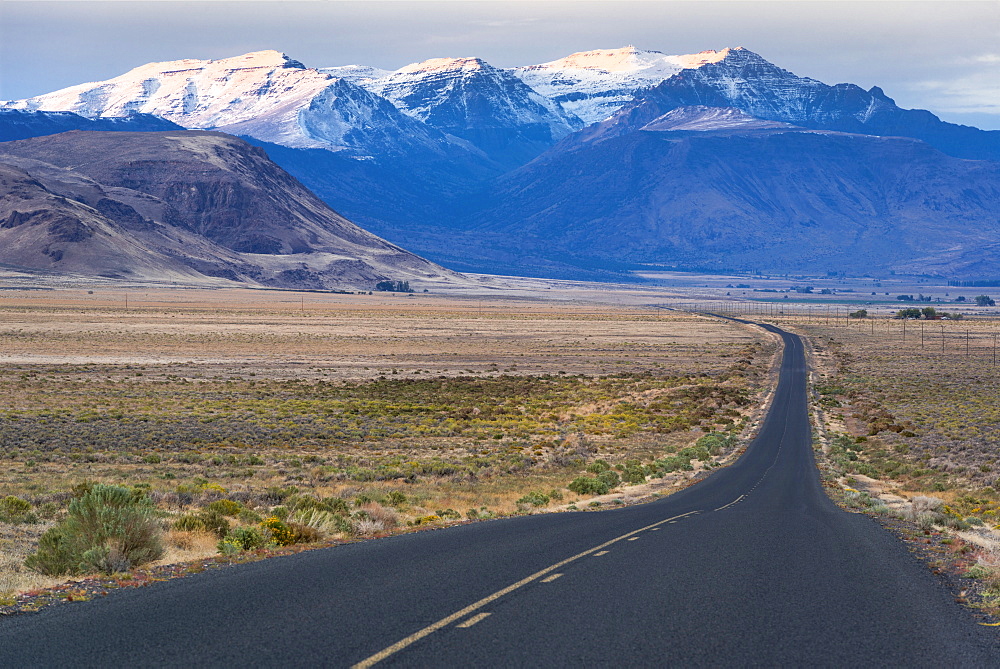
point(265, 95)
point(595, 84)
point(744, 80)
point(469, 98)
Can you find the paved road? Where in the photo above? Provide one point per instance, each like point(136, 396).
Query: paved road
point(754, 566)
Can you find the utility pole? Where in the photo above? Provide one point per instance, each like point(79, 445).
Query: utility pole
point(921, 336)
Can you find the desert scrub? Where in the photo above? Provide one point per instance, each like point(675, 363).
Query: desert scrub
point(107, 529)
point(279, 532)
point(164, 416)
point(16, 511)
point(533, 499)
point(243, 539)
point(588, 485)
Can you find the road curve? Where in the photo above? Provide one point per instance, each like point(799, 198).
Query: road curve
point(753, 566)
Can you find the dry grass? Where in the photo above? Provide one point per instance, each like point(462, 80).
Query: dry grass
point(452, 404)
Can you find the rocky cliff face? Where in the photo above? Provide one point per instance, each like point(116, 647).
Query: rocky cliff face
point(189, 202)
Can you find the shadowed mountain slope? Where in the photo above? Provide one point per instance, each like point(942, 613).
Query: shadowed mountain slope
point(206, 202)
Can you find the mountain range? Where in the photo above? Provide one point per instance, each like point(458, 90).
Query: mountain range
point(600, 162)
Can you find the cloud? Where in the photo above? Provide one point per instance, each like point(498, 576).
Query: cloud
point(505, 23)
point(976, 92)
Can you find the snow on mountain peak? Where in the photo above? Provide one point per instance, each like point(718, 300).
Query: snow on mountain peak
point(699, 118)
point(264, 94)
point(434, 65)
point(595, 84)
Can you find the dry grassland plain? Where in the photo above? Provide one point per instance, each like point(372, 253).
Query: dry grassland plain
point(922, 406)
point(353, 414)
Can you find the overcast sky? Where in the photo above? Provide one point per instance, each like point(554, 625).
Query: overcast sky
point(941, 56)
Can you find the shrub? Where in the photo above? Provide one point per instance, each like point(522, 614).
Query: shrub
point(214, 522)
point(55, 555)
point(423, 520)
point(246, 538)
point(395, 498)
point(304, 534)
point(610, 478)
point(322, 521)
point(533, 499)
point(249, 516)
point(226, 507)
point(634, 474)
point(16, 510)
point(190, 523)
point(280, 533)
point(482, 513)
point(108, 528)
point(586, 485)
point(598, 466)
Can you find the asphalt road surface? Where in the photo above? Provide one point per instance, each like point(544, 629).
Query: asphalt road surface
point(753, 566)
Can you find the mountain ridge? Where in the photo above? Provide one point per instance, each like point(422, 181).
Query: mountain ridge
point(189, 203)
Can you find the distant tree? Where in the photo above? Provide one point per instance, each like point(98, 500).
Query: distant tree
point(394, 286)
point(960, 298)
point(930, 313)
point(908, 313)
point(826, 291)
point(985, 301)
point(904, 298)
point(860, 313)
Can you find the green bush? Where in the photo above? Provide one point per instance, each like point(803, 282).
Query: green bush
point(598, 466)
point(673, 463)
point(634, 473)
point(214, 522)
point(610, 478)
point(534, 499)
point(715, 442)
point(226, 507)
point(190, 523)
point(281, 534)
point(586, 485)
point(16, 510)
point(395, 498)
point(55, 555)
point(247, 538)
point(108, 529)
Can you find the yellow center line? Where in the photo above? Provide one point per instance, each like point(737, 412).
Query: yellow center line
point(735, 501)
point(600, 553)
point(549, 579)
point(444, 622)
point(634, 539)
point(473, 620)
